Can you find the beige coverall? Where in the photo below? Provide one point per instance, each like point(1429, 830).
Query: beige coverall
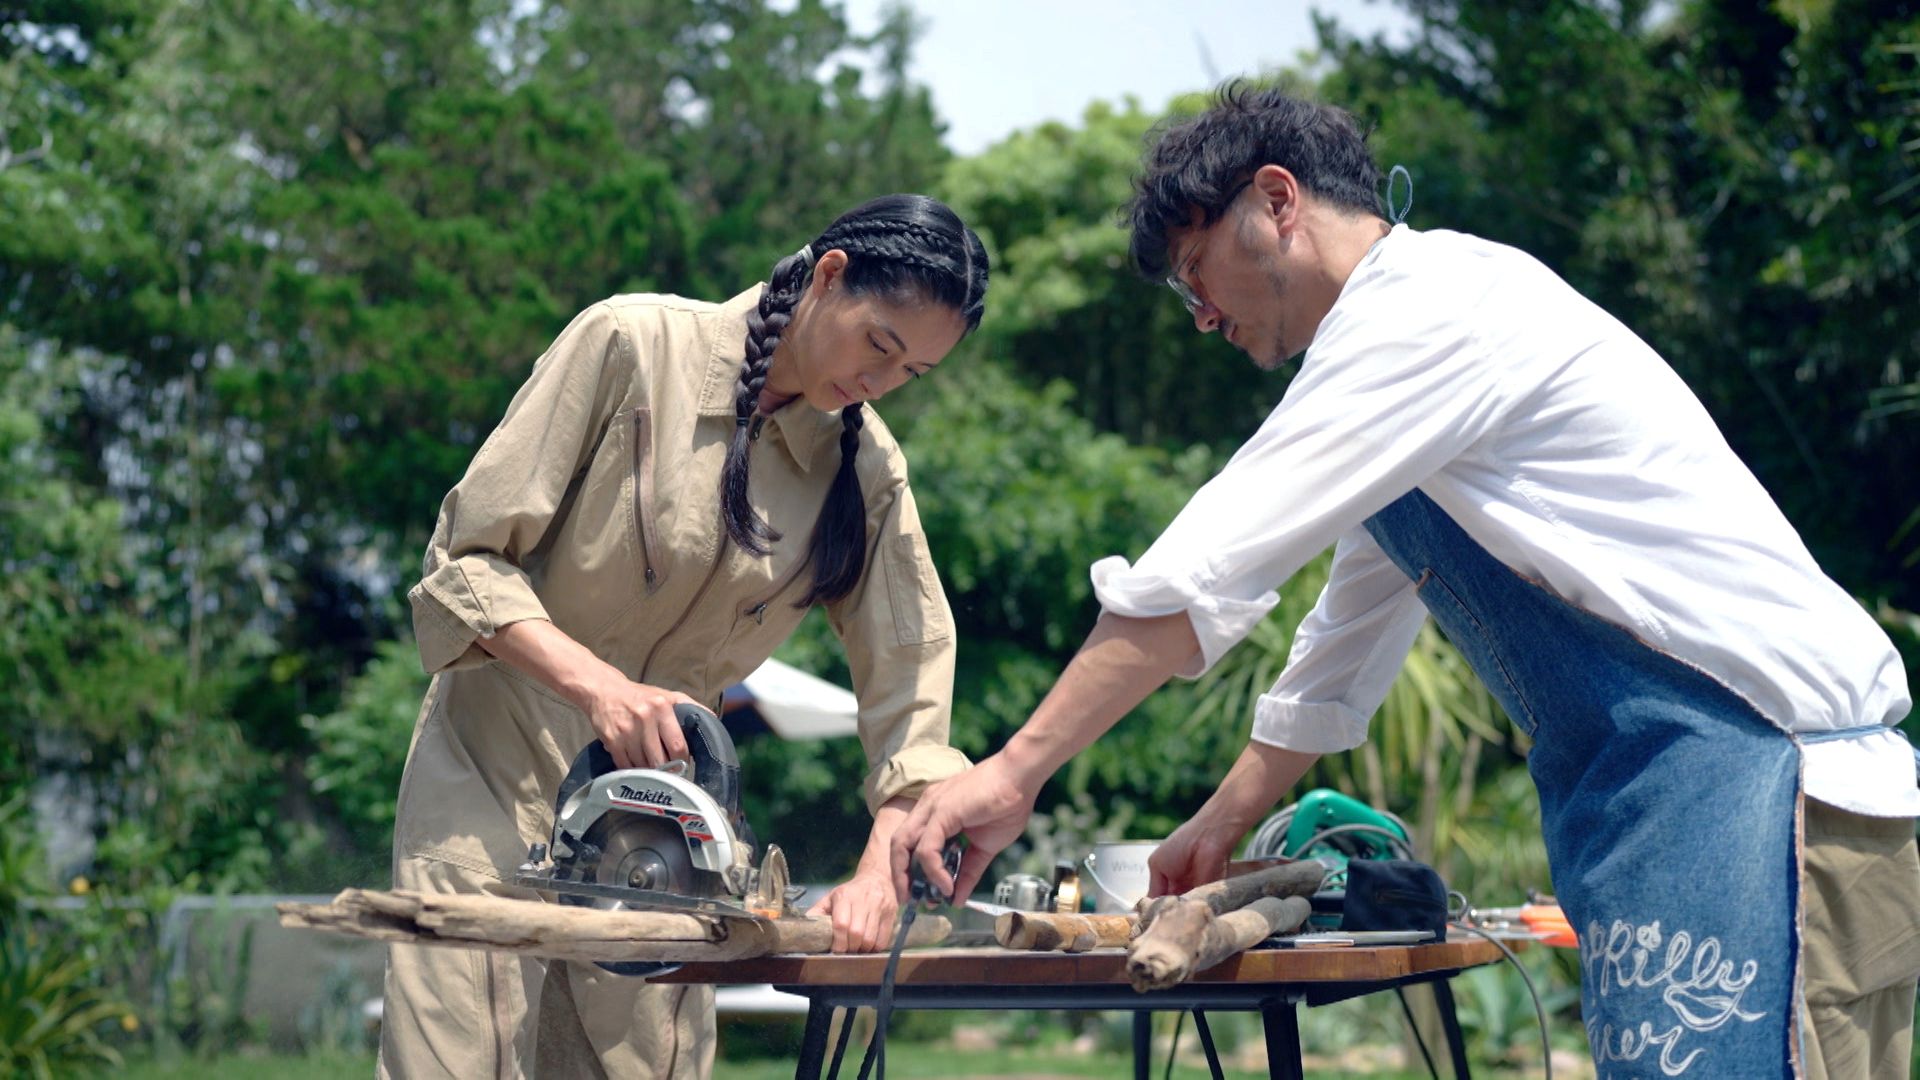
point(595, 504)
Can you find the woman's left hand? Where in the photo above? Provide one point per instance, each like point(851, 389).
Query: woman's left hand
point(863, 910)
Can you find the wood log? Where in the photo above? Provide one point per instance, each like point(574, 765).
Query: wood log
point(538, 928)
point(1187, 937)
point(1301, 878)
point(1039, 931)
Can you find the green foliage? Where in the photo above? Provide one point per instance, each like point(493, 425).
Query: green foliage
point(359, 749)
point(1497, 1014)
point(52, 1003)
point(50, 1013)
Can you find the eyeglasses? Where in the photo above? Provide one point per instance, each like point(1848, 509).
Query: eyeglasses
point(1187, 294)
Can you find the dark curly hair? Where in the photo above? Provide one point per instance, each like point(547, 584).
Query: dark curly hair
point(906, 247)
point(1200, 163)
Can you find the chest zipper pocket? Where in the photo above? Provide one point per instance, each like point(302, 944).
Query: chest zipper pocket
point(756, 609)
point(643, 495)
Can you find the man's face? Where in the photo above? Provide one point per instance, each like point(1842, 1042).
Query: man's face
point(1236, 281)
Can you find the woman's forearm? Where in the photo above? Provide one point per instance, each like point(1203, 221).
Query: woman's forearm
point(888, 818)
point(543, 651)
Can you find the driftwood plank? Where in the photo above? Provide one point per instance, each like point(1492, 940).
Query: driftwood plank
point(538, 928)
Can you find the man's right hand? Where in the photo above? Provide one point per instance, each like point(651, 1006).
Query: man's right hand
point(986, 802)
point(1194, 855)
point(636, 722)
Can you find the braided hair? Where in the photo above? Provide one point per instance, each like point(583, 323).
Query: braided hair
point(904, 247)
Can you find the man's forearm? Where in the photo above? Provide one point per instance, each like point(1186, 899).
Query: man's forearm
point(1122, 662)
point(1260, 776)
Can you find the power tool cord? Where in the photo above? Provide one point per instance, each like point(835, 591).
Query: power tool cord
point(919, 892)
point(883, 1006)
point(1539, 1010)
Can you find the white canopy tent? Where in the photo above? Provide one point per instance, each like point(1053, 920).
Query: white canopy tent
point(797, 705)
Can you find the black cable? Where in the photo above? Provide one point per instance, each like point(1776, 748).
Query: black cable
point(1178, 1019)
point(1398, 843)
point(1418, 1039)
point(883, 1007)
point(919, 891)
point(1539, 1010)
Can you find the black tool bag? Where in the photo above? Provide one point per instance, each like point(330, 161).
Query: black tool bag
point(1395, 894)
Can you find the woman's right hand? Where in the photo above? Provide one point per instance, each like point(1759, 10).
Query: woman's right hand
point(636, 722)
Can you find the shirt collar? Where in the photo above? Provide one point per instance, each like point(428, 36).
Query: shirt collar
point(806, 432)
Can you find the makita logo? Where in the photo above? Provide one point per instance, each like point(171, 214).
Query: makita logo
point(658, 798)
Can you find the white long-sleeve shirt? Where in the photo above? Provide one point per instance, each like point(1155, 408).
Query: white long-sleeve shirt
point(1566, 447)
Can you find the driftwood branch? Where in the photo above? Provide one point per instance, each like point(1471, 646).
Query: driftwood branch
point(1036, 931)
point(1187, 936)
point(1301, 878)
point(538, 928)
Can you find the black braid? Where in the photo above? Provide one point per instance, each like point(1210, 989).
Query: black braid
point(765, 323)
point(906, 246)
point(842, 527)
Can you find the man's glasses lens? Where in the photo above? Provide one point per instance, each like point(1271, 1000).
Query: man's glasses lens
point(1187, 296)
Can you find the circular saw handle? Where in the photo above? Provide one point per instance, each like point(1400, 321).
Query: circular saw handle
point(716, 768)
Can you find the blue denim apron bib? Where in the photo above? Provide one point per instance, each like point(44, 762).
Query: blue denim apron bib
point(1670, 808)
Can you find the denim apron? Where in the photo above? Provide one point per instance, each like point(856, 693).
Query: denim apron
point(1670, 806)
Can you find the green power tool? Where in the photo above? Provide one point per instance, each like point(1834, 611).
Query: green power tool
point(1334, 828)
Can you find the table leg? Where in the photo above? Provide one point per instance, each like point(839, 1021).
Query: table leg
point(1142, 1045)
point(813, 1043)
point(840, 1045)
point(1206, 1043)
point(1282, 1022)
point(1450, 1019)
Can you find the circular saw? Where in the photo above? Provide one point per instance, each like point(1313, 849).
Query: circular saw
point(658, 839)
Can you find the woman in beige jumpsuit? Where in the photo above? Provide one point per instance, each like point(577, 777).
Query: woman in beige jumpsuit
point(674, 485)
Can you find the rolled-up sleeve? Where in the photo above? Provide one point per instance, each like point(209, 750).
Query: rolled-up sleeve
point(1345, 655)
point(1380, 404)
point(898, 633)
point(473, 580)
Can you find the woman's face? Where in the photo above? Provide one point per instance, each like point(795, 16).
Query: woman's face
point(841, 348)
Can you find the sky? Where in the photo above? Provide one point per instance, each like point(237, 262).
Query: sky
point(998, 66)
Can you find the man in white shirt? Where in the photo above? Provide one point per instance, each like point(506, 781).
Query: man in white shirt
point(1720, 780)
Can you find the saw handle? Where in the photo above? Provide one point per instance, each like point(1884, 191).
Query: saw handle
point(716, 768)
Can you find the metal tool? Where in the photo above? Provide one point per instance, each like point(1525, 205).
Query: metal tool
point(660, 839)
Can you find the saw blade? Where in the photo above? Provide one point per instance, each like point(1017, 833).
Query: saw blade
point(641, 854)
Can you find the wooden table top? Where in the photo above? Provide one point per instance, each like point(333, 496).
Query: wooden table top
point(994, 966)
